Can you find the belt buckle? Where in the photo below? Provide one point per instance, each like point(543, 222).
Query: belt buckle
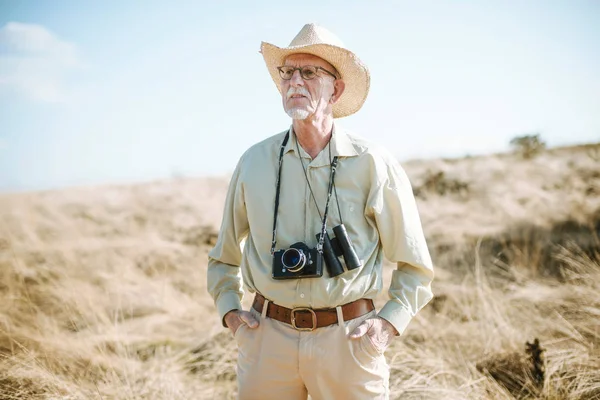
point(314, 319)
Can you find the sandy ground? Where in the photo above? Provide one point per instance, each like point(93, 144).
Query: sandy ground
point(103, 289)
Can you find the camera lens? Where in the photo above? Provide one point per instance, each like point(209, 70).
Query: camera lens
point(293, 259)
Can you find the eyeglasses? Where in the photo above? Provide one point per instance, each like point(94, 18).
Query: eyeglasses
point(307, 72)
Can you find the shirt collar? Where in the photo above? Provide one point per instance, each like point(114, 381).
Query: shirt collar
point(341, 145)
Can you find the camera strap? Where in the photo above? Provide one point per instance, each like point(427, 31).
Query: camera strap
point(278, 190)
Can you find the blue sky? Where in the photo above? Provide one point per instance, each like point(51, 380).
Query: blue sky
point(116, 92)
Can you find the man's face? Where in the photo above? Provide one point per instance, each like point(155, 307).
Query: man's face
point(305, 98)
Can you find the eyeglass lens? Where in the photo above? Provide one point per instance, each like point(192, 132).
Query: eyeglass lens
point(307, 72)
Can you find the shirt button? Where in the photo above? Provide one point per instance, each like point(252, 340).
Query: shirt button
point(301, 295)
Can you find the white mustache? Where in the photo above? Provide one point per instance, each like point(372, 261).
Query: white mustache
point(297, 90)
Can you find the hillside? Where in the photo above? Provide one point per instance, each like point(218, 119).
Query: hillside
point(103, 289)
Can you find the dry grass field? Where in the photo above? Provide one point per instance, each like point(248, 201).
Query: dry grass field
point(103, 289)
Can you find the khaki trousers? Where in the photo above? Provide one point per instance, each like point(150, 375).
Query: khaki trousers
point(275, 361)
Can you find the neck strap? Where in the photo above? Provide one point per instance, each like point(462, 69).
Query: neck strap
point(278, 191)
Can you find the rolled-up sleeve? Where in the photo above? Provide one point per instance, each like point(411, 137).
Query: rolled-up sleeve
point(394, 209)
point(224, 280)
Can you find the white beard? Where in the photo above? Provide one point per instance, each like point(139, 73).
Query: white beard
point(297, 113)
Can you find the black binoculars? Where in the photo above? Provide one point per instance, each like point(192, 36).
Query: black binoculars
point(340, 245)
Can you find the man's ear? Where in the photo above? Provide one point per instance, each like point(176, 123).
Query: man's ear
point(338, 89)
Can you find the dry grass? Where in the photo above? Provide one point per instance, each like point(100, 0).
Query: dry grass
point(103, 292)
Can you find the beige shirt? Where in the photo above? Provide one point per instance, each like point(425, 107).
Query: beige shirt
point(378, 210)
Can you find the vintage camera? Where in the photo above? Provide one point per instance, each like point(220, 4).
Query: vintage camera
point(340, 245)
point(299, 261)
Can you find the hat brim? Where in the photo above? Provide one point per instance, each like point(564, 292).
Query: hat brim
point(354, 73)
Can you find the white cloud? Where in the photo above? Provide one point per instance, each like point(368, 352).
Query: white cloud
point(34, 62)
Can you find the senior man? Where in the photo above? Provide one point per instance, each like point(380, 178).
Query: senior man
point(318, 208)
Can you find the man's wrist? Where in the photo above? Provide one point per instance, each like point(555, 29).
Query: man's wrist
point(228, 315)
point(395, 314)
point(226, 302)
point(389, 327)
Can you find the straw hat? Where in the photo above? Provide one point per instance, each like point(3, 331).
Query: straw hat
point(318, 41)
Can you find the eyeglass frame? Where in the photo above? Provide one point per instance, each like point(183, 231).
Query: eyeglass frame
point(300, 69)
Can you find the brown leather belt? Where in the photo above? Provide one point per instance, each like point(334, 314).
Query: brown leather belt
point(308, 319)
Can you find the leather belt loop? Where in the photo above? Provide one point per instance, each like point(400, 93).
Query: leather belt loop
point(340, 316)
point(263, 313)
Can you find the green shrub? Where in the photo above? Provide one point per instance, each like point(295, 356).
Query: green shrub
point(528, 146)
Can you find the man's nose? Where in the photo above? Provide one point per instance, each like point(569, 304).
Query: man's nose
point(296, 79)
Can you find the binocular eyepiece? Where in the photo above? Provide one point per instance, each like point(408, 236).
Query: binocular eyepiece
point(340, 245)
